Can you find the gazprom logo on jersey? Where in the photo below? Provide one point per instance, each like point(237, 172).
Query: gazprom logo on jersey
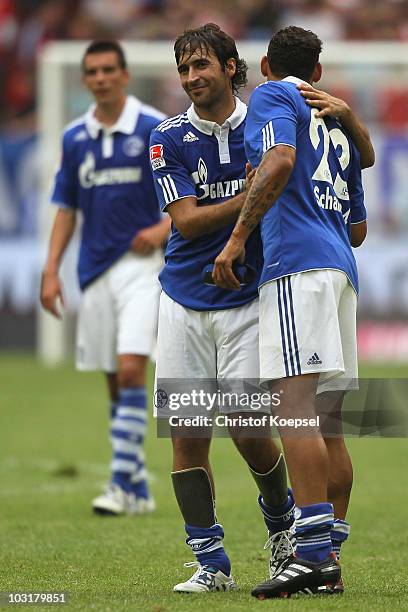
point(218, 190)
point(89, 177)
point(202, 171)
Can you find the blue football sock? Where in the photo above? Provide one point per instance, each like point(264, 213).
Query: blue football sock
point(140, 487)
point(313, 525)
point(113, 406)
point(206, 544)
point(278, 518)
point(339, 534)
point(121, 479)
point(127, 434)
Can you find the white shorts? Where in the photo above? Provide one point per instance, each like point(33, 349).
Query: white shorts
point(205, 351)
point(214, 344)
point(118, 314)
point(307, 324)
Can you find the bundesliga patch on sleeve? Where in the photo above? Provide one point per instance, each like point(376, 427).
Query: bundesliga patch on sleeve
point(156, 156)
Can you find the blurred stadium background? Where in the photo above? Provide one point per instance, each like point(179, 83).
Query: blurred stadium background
point(366, 59)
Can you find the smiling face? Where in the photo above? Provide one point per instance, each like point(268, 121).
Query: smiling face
point(104, 77)
point(203, 79)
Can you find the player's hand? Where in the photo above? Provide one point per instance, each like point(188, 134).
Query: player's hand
point(147, 240)
point(223, 276)
point(328, 105)
point(249, 175)
point(51, 292)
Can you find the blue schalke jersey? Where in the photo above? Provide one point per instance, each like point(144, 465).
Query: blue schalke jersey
point(191, 157)
point(308, 226)
point(105, 172)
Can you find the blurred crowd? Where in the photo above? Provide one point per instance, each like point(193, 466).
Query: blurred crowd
point(26, 25)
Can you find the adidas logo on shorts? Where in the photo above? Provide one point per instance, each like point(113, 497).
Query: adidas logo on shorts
point(314, 360)
point(190, 137)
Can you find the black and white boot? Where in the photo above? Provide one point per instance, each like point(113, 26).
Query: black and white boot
point(300, 576)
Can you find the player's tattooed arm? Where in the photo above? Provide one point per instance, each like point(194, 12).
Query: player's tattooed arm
point(336, 107)
point(259, 199)
point(270, 180)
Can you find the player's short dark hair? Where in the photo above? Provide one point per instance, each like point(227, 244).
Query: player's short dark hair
point(105, 46)
point(210, 37)
point(294, 51)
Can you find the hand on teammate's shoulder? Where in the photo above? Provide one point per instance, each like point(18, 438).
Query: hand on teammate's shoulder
point(328, 104)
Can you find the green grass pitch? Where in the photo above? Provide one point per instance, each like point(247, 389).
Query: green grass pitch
point(54, 455)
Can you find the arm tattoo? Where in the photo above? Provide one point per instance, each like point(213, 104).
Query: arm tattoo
point(260, 198)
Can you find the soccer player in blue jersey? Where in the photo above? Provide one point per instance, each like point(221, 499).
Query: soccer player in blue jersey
point(105, 174)
point(198, 161)
point(308, 194)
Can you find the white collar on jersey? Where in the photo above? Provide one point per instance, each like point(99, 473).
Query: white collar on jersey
point(125, 124)
point(210, 127)
point(296, 80)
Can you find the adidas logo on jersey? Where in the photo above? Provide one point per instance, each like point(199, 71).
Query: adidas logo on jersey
point(314, 360)
point(190, 137)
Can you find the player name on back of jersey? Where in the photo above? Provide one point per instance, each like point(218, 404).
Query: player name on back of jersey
point(327, 200)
